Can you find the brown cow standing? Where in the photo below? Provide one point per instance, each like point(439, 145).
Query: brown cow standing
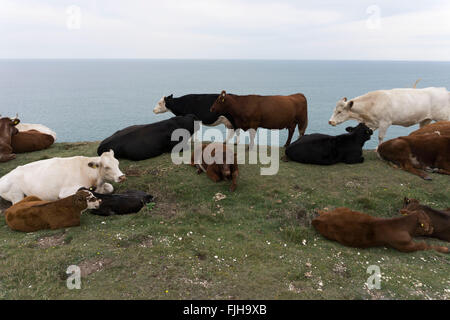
point(225, 168)
point(29, 141)
point(7, 130)
point(270, 112)
point(32, 214)
point(441, 128)
point(417, 153)
point(356, 229)
point(440, 219)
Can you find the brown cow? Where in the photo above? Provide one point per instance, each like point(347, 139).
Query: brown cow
point(417, 153)
point(29, 141)
point(441, 128)
point(218, 161)
point(32, 214)
point(359, 230)
point(270, 112)
point(440, 219)
point(7, 130)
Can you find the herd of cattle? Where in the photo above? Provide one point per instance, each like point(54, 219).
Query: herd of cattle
point(53, 193)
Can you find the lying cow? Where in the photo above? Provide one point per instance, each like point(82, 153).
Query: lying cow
point(440, 219)
point(417, 153)
point(441, 128)
point(270, 112)
point(29, 141)
point(403, 107)
point(127, 202)
point(326, 150)
point(8, 129)
point(58, 178)
point(147, 141)
point(38, 127)
point(218, 161)
point(359, 230)
point(33, 214)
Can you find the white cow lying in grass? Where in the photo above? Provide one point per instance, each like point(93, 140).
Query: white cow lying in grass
point(59, 178)
point(404, 107)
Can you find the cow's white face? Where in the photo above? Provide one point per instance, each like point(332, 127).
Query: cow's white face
point(341, 112)
point(109, 168)
point(92, 201)
point(161, 106)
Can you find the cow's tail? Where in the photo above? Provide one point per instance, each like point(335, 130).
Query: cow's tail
point(416, 83)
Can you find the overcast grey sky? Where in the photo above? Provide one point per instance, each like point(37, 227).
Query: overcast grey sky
point(232, 29)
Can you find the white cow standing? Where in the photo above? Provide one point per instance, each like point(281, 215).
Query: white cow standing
point(58, 178)
point(404, 107)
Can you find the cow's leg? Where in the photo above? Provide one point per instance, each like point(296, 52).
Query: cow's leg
point(213, 173)
point(302, 127)
point(425, 122)
point(235, 175)
point(291, 133)
point(230, 135)
point(408, 166)
point(7, 157)
point(411, 246)
point(382, 132)
point(252, 133)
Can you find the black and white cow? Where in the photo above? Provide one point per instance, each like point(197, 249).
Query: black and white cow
point(142, 142)
point(323, 149)
point(129, 202)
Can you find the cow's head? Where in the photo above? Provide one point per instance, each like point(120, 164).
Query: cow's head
point(221, 102)
point(108, 167)
point(164, 104)
point(8, 127)
point(410, 204)
point(85, 199)
point(361, 130)
point(341, 112)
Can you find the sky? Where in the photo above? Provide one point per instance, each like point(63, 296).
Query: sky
point(226, 29)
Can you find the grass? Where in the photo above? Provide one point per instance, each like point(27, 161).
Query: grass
point(257, 243)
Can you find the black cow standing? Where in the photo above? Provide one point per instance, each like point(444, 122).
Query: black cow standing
point(146, 141)
point(197, 104)
point(120, 204)
point(326, 150)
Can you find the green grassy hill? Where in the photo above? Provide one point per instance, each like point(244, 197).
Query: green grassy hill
point(256, 243)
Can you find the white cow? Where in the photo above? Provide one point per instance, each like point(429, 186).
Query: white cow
point(59, 178)
point(38, 127)
point(404, 107)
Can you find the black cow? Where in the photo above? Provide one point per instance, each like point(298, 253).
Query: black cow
point(120, 204)
point(326, 150)
point(146, 141)
point(198, 104)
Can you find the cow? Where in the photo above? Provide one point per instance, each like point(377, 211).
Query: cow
point(326, 150)
point(360, 230)
point(147, 141)
point(416, 153)
point(405, 107)
point(33, 214)
point(29, 141)
point(441, 128)
point(218, 161)
point(8, 128)
point(58, 178)
point(440, 219)
point(270, 112)
point(128, 202)
point(38, 127)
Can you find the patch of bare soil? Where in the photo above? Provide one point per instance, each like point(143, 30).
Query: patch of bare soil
point(88, 267)
point(165, 204)
point(51, 241)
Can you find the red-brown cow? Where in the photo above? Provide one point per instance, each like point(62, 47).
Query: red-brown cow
point(7, 130)
point(440, 128)
point(29, 141)
point(417, 153)
point(270, 112)
point(359, 230)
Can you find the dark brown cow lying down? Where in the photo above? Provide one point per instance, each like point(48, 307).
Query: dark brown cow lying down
point(440, 219)
point(7, 130)
point(226, 168)
point(359, 230)
point(32, 140)
point(32, 214)
point(441, 128)
point(270, 112)
point(417, 153)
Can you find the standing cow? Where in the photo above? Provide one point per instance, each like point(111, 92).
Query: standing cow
point(270, 112)
point(57, 178)
point(7, 130)
point(404, 107)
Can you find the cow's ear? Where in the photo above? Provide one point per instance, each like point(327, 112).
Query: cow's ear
point(349, 129)
point(15, 122)
point(223, 93)
point(406, 201)
point(93, 165)
point(350, 104)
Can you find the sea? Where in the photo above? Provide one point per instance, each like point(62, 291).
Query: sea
point(88, 100)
